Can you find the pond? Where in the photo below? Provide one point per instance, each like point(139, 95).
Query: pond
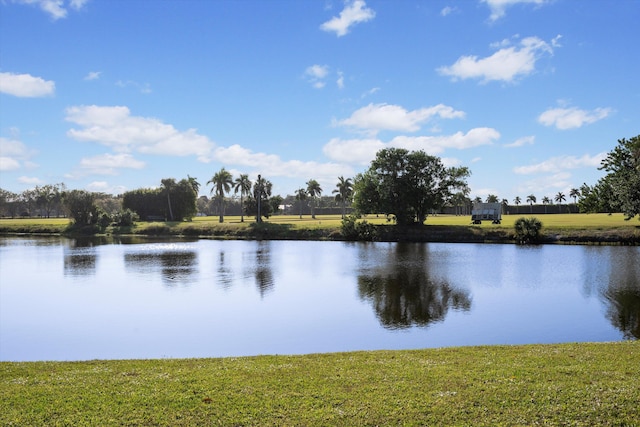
point(68, 299)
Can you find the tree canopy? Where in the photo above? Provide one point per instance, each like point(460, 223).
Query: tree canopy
point(623, 177)
point(407, 185)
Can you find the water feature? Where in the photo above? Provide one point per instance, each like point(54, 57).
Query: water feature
point(67, 299)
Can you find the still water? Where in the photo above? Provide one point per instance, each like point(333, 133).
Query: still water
point(66, 299)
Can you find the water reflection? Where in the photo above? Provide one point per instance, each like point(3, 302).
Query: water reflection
point(403, 291)
point(260, 266)
point(80, 257)
point(176, 265)
point(622, 295)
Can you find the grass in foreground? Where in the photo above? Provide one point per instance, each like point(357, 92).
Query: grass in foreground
point(574, 384)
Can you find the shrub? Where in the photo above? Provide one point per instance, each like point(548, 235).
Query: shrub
point(527, 230)
point(126, 218)
point(352, 229)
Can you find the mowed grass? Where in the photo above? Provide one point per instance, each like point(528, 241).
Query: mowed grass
point(330, 222)
point(567, 384)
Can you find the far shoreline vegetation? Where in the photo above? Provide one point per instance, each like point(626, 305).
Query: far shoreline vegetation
point(608, 229)
point(405, 188)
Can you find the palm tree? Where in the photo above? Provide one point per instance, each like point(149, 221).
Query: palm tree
point(560, 197)
point(531, 199)
point(168, 184)
point(261, 192)
point(546, 201)
point(343, 192)
point(301, 194)
point(574, 193)
point(313, 190)
point(243, 185)
point(221, 184)
point(492, 198)
point(194, 184)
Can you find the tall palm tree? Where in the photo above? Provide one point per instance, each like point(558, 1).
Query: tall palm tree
point(531, 199)
point(560, 197)
point(168, 184)
point(242, 185)
point(545, 202)
point(343, 192)
point(261, 192)
point(301, 194)
point(194, 184)
point(313, 190)
point(221, 184)
point(574, 193)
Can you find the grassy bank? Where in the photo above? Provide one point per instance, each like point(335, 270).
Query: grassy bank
point(557, 228)
point(568, 384)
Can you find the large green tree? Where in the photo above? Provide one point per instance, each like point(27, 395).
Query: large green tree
point(80, 206)
point(623, 175)
point(221, 184)
point(407, 185)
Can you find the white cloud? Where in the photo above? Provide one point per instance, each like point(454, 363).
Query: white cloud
point(546, 184)
point(115, 127)
point(377, 117)
point(106, 164)
point(8, 164)
point(362, 151)
point(104, 187)
point(498, 7)
point(507, 64)
point(315, 74)
point(356, 151)
point(370, 92)
point(14, 155)
point(570, 118)
point(142, 87)
point(525, 140)
point(57, 9)
point(557, 164)
point(25, 85)
point(448, 10)
point(273, 166)
point(354, 12)
point(30, 180)
point(93, 75)
point(437, 144)
point(340, 81)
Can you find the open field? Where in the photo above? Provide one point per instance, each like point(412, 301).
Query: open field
point(576, 228)
point(567, 384)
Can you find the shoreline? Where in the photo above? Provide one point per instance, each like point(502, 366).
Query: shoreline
point(627, 236)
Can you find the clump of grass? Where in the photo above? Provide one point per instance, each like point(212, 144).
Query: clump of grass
point(567, 384)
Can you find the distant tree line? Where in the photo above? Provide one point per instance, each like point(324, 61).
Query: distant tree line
point(406, 186)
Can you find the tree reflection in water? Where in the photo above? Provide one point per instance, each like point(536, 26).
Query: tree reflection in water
point(80, 257)
point(622, 297)
point(176, 266)
point(404, 293)
point(262, 268)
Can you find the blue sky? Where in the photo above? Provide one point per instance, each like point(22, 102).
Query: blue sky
point(113, 95)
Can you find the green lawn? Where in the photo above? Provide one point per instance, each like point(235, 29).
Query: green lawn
point(568, 384)
point(548, 220)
